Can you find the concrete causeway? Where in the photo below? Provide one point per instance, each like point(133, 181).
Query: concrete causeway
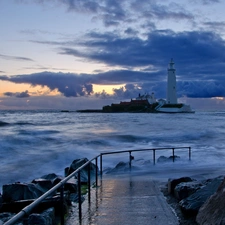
point(132, 200)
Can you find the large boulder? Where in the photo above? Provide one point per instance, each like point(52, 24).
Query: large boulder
point(5, 216)
point(43, 184)
point(212, 211)
point(54, 178)
point(121, 167)
point(185, 189)
point(192, 204)
point(45, 218)
point(47, 181)
point(164, 159)
point(172, 183)
point(20, 191)
point(84, 172)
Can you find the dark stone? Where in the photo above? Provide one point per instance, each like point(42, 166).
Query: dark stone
point(47, 217)
point(55, 179)
point(71, 186)
point(20, 191)
point(192, 204)
point(46, 182)
point(120, 167)
point(212, 211)
point(5, 216)
point(1, 201)
point(37, 219)
point(75, 198)
point(164, 159)
point(172, 183)
point(43, 184)
point(185, 189)
point(84, 172)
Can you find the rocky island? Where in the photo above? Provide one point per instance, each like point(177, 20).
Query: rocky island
point(147, 103)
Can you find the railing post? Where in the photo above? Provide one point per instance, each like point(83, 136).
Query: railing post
point(154, 156)
point(62, 204)
point(173, 154)
point(96, 171)
point(79, 196)
point(101, 164)
point(189, 153)
point(130, 158)
point(89, 182)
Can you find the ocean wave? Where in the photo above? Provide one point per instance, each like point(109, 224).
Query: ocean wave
point(130, 138)
point(37, 132)
point(2, 124)
point(23, 123)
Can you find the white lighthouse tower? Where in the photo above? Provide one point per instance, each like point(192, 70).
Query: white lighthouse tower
point(171, 84)
point(170, 105)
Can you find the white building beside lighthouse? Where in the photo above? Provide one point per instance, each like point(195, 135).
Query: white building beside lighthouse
point(171, 105)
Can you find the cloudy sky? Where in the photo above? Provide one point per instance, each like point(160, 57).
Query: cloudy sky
point(78, 54)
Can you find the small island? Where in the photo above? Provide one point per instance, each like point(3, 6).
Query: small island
point(148, 104)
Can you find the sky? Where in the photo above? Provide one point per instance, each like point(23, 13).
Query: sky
point(84, 54)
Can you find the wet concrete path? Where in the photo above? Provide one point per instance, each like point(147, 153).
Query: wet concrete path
point(129, 200)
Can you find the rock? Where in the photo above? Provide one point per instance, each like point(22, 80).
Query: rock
point(16, 206)
point(5, 216)
point(120, 167)
point(212, 211)
point(172, 183)
point(55, 179)
point(84, 172)
point(192, 204)
point(47, 217)
point(164, 159)
point(20, 191)
point(71, 185)
point(1, 201)
point(75, 198)
point(185, 189)
point(46, 182)
point(43, 184)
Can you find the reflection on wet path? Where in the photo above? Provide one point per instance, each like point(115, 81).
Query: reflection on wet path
point(125, 200)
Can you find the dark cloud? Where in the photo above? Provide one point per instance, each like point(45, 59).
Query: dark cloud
point(17, 58)
point(216, 26)
point(24, 94)
point(206, 2)
point(69, 85)
point(162, 12)
point(197, 53)
point(198, 89)
point(74, 85)
point(117, 12)
point(199, 58)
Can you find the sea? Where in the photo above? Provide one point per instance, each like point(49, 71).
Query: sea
point(36, 143)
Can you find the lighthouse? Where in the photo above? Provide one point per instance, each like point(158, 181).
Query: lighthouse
point(171, 84)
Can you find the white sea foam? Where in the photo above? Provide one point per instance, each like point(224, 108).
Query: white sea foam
point(36, 143)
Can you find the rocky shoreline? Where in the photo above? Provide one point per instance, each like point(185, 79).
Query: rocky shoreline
point(18, 195)
point(195, 202)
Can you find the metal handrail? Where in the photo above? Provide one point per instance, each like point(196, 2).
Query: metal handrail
point(29, 208)
point(142, 150)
